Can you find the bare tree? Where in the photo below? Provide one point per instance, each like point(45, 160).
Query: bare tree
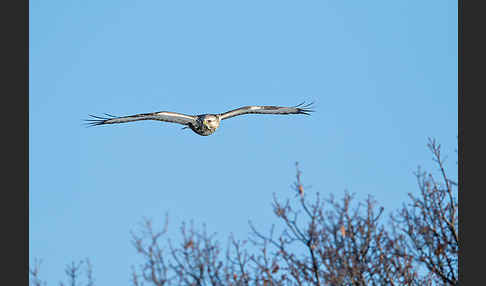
point(430, 223)
point(330, 242)
point(78, 273)
point(320, 241)
point(34, 273)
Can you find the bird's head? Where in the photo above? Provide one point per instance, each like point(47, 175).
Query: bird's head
point(211, 121)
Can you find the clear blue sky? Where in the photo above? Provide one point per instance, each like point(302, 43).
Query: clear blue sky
point(383, 75)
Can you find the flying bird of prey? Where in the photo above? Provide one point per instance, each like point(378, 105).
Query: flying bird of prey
point(203, 124)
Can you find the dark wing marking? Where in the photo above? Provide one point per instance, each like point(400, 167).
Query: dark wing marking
point(161, 116)
point(298, 109)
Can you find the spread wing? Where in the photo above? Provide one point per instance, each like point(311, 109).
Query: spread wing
point(161, 116)
point(298, 109)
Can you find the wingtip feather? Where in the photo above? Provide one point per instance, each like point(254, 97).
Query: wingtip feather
point(98, 120)
point(304, 108)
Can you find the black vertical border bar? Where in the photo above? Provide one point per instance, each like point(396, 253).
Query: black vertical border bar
point(14, 196)
point(25, 32)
